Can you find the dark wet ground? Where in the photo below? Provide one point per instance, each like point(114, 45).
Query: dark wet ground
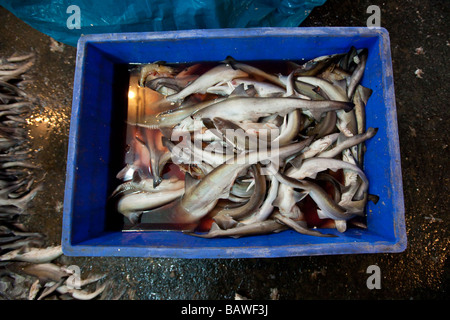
point(421, 272)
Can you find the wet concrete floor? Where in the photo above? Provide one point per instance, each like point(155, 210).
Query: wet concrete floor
point(421, 272)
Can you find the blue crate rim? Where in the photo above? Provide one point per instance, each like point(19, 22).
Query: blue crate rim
point(236, 32)
point(238, 252)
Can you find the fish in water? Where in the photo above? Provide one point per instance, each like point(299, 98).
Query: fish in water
point(219, 126)
point(201, 196)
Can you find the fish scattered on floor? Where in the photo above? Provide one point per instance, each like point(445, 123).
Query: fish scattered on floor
point(26, 252)
point(33, 255)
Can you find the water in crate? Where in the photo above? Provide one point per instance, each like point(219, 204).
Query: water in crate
point(237, 148)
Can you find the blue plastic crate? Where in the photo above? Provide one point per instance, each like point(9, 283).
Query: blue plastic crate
point(98, 115)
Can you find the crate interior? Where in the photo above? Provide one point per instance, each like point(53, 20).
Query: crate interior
point(99, 131)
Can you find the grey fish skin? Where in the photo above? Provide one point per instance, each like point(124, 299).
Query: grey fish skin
point(153, 69)
point(218, 182)
point(360, 98)
point(241, 189)
point(156, 150)
point(34, 289)
point(328, 207)
point(6, 190)
point(201, 196)
point(286, 201)
point(34, 255)
point(313, 149)
point(21, 105)
point(238, 138)
point(80, 294)
point(256, 228)
point(208, 79)
point(263, 89)
point(308, 90)
point(316, 65)
point(300, 226)
point(6, 144)
point(184, 157)
point(310, 167)
point(347, 61)
point(132, 205)
point(334, 73)
point(338, 187)
point(255, 200)
point(346, 121)
point(251, 70)
point(355, 78)
point(6, 75)
point(146, 185)
point(291, 131)
point(21, 243)
point(21, 203)
point(46, 271)
point(19, 58)
point(348, 142)
point(171, 118)
point(50, 288)
point(17, 164)
point(176, 84)
point(352, 185)
point(326, 126)
point(243, 108)
point(267, 207)
point(218, 126)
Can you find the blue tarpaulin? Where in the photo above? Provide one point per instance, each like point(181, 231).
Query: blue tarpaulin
point(66, 20)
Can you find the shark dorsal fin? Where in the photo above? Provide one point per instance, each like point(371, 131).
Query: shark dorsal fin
point(214, 227)
point(239, 91)
point(189, 183)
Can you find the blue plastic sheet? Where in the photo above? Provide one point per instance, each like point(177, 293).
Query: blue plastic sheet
point(66, 20)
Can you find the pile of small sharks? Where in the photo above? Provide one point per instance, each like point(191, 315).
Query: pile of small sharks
point(252, 146)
